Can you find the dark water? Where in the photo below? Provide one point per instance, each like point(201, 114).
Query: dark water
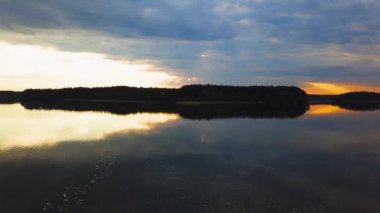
point(327, 160)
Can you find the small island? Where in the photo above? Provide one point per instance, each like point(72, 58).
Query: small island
point(359, 101)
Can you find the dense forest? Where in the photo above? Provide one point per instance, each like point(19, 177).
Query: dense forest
point(360, 101)
point(192, 93)
point(359, 97)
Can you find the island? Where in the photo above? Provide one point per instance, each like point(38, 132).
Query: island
point(358, 101)
point(190, 101)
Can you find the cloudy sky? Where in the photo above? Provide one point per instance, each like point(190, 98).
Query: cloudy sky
point(325, 46)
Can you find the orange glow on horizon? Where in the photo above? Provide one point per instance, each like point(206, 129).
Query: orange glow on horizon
point(336, 88)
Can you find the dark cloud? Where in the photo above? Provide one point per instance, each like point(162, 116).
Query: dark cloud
point(193, 21)
point(303, 21)
point(320, 21)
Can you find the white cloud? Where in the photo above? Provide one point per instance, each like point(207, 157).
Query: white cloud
point(26, 66)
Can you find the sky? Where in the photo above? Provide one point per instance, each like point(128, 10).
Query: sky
point(325, 46)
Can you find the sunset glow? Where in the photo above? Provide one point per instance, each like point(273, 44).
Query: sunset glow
point(336, 88)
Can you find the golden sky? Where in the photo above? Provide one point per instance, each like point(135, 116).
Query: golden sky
point(336, 88)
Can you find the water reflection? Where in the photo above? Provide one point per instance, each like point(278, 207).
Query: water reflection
point(310, 164)
point(198, 111)
point(323, 109)
point(36, 128)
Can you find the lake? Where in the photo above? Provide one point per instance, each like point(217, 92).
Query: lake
point(326, 160)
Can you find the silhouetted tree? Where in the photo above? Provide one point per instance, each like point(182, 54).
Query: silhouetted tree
point(195, 93)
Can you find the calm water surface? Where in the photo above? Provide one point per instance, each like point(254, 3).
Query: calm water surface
point(327, 160)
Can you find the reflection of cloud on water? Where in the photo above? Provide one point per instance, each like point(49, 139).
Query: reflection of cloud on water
point(25, 128)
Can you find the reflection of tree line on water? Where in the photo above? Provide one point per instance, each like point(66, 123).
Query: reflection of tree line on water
point(198, 111)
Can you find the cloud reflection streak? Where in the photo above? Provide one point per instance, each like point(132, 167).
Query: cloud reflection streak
point(40, 128)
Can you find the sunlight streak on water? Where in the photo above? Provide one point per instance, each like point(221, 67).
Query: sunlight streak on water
point(24, 128)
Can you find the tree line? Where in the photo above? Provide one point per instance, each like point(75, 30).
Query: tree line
point(359, 97)
point(9, 96)
point(191, 93)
